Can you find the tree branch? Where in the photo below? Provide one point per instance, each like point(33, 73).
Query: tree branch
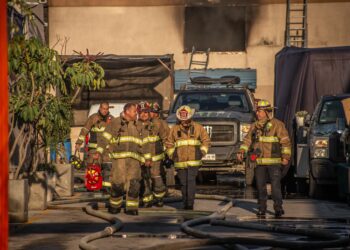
point(75, 95)
point(16, 141)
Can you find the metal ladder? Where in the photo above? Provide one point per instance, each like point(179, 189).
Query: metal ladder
point(296, 24)
point(198, 62)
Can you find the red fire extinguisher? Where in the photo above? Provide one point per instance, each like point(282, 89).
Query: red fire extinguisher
point(93, 177)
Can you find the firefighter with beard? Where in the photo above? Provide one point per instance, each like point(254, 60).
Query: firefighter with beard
point(95, 126)
point(152, 133)
point(187, 143)
point(124, 137)
point(267, 143)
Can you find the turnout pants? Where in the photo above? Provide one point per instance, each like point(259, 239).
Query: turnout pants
point(273, 173)
point(154, 187)
point(188, 184)
point(125, 177)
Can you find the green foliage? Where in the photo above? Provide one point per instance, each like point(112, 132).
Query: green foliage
point(85, 74)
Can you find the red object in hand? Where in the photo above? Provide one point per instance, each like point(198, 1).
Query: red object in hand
point(93, 177)
point(253, 157)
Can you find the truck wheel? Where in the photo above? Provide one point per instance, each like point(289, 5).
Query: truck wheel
point(249, 173)
point(314, 189)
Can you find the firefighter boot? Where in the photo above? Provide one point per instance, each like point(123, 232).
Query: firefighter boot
point(114, 210)
point(159, 203)
point(278, 211)
point(261, 209)
point(132, 212)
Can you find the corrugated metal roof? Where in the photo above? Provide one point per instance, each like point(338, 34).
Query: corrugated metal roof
point(247, 76)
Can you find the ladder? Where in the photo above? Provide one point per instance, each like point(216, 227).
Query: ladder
point(198, 63)
point(296, 24)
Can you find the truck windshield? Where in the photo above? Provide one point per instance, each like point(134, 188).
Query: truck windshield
point(331, 112)
point(213, 101)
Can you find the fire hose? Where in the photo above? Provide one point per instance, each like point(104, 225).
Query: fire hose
point(321, 238)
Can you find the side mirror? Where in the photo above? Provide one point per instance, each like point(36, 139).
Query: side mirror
point(345, 136)
point(307, 120)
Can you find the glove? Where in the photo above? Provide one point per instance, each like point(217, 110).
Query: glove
point(168, 163)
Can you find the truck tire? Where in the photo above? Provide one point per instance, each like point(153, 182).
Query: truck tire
point(249, 173)
point(314, 189)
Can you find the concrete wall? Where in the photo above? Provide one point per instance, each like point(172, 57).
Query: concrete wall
point(155, 30)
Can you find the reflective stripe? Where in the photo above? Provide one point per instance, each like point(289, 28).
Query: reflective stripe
point(147, 156)
point(186, 164)
point(190, 142)
point(107, 135)
point(96, 129)
point(92, 145)
point(170, 151)
point(159, 195)
point(81, 137)
point(116, 201)
point(147, 198)
point(132, 204)
point(244, 147)
point(158, 157)
point(151, 139)
point(286, 138)
point(205, 149)
point(122, 139)
point(100, 150)
point(268, 139)
point(286, 151)
point(268, 161)
point(123, 155)
point(106, 184)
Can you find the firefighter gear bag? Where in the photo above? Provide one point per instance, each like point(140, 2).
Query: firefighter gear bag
point(93, 177)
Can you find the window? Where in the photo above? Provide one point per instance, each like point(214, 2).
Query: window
point(331, 112)
point(218, 28)
point(209, 101)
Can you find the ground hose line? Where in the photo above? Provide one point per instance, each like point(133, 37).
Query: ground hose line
point(110, 230)
point(91, 210)
point(333, 240)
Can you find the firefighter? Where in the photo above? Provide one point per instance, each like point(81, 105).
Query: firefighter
point(95, 125)
point(166, 167)
point(123, 135)
point(153, 134)
point(267, 143)
point(187, 143)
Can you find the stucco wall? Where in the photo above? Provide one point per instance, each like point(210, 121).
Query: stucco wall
point(158, 30)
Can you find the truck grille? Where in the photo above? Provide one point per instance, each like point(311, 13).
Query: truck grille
point(221, 133)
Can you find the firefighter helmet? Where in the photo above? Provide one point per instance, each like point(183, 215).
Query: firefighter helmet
point(264, 105)
point(155, 108)
point(184, 113)
point(143, 107)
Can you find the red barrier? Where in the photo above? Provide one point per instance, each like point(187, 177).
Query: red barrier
point(3, 128)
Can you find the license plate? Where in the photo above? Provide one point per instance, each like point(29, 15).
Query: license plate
point(209, 157)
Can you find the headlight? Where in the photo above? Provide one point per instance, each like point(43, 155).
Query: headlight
point(321, 153)
point(244, 129)
point(319, 148)
point(321, 143)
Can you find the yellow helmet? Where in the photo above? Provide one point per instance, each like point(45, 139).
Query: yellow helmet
point(184, 113)
point(264, 104)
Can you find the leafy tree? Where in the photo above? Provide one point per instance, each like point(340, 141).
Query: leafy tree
point(39, 117)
